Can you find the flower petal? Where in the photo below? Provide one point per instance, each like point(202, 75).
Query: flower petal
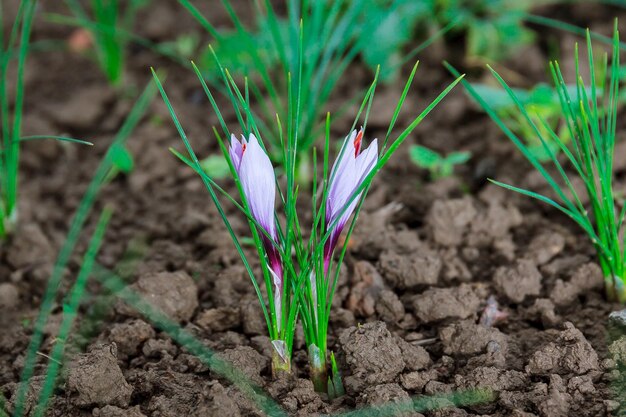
point(235, 150)
point(259, 184)
point(366, 160)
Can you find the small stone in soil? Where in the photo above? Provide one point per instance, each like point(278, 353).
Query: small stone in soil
point(442, 303)
point(95, 379)
point(617, 319)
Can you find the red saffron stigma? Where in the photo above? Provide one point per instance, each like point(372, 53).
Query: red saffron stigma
point(357, 142)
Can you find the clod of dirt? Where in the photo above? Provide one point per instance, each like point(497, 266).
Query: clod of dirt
point(219, 403)
point(454, 267)
point(252, 317)
point(30, 249)
point(543, 310)
point(219, 319)
point(571, 353)
point(9, 296)
point(493, 223)
point(389, 307)
point(366, 283)
point(618, 350)
point(302, 398)
point(416, 381)
point(468, 338)
point(586, 277)
point(544, 247)
point(112, 411)
point(83, 109)
point(407, 272)
point(518, 282)
point(246, 360)
point(130, 335)
point(556, 403)
point(158, 348)
point(397, 401)
point(415, 357)
point(448, 220)
point(173, 293)
point(442, 303)
point(342, 318)
point(492, 379)
point(32, 395)
point(372, 354)
point(95, 379)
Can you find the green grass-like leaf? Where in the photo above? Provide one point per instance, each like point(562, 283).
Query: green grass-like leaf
point(76, 226)
point(590, 114)
point(70, 310)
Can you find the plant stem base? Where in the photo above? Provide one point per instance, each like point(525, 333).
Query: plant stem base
point(280, 365)
point(615, 289)
point(319, 376)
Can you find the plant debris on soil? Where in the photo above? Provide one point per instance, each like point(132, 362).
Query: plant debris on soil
point(449, 286)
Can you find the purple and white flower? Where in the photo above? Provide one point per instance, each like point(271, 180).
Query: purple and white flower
point(349, 171)
point(256, 175)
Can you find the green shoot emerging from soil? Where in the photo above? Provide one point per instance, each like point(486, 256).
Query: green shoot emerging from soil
point(438, 165)
point(334, 34)
point(542, 103)
point(299, 275)
point(16, 46)
point(590, 114)
point(83, 210)
point(12, 126)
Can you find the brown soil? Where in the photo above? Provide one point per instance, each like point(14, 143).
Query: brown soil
point(430, 263)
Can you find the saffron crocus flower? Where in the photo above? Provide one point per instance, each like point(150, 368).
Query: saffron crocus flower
point(349, 170)
point(259, 186)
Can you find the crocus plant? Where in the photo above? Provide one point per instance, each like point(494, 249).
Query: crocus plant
point(298, 274)
point(590, 116)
